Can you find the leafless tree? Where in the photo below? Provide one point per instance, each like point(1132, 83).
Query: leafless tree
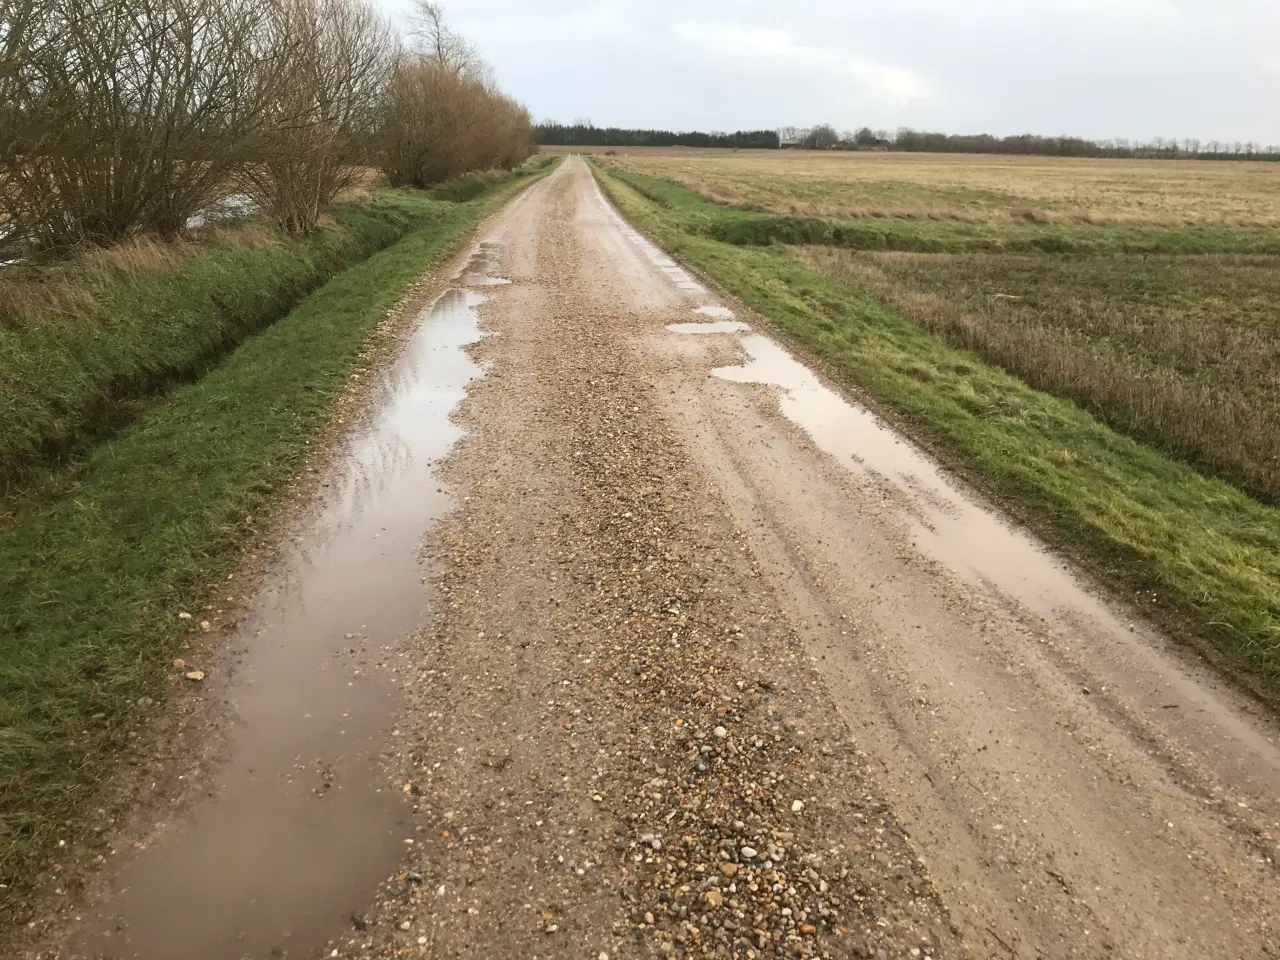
point(129, 114)
point(440, 44)
point(443, 115)
point(334, 58)
point(821, 137)
point(439, 125)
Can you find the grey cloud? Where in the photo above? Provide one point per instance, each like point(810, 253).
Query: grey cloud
point(1099, 68)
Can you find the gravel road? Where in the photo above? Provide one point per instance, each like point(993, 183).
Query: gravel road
point(714, 664)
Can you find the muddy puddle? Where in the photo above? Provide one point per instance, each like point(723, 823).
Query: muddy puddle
point(975, 543)
point(715, 311)
point(298, 830)
point(948, 526)
point(479, 271)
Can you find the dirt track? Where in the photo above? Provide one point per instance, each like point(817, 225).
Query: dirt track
point(714, 667)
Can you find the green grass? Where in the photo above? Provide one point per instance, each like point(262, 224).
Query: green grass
point(85, 346)
point(739, 227)
point(94, 572)
point(1181, 352)
point(464, 188)
point(1210, 553)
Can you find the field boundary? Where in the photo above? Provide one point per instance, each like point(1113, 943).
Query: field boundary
point(742, 227)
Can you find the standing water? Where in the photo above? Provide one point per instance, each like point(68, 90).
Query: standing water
point(298, 829)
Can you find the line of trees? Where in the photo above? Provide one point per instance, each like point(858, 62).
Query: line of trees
point(916, 141)
point(585, 134)
point(120, 116)
point(826, 137)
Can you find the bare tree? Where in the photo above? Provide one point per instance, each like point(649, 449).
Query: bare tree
point(130, 114)
point(334, 58)
point(821, 137)
point(439, 125)
point(443, 115)
point(440, 44)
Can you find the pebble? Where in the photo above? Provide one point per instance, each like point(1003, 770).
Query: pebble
point(696, 818)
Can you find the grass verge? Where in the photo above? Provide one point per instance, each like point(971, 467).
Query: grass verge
point(93, 575)
point(1204, 553)
point(1180, 352)
point(86, 345)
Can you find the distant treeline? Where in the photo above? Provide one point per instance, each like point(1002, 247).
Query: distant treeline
point(916, 141)
point(906, 140)
point(586, 135)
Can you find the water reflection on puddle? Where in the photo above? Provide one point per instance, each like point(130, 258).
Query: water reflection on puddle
point(714, 326)
point(298, 831)
point(478, 271)
point(950, 527)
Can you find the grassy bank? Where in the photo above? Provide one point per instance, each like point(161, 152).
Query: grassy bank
point(86, 345)
point(742, 227)
point(94, 572)
point(1180, 352)
point(1206, 552)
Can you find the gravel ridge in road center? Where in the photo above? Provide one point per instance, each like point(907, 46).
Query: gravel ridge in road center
point(617, 744)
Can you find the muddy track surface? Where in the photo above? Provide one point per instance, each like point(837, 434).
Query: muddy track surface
point(711, 664)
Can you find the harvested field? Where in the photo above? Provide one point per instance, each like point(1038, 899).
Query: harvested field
point(975, 189)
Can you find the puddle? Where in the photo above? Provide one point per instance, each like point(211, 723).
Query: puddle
point(714, 326)
point(478, 271)
point(298, 831)
point(673, 271)
point(231, 207)
point(715, 311)
point(983, 549)
point(949, 527)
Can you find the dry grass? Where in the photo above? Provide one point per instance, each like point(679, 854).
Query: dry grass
point(1183, 352)
point(980, 189)
point(44, 293)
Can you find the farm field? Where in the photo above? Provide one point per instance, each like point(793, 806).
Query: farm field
point(1108, 371)
point(974, 189)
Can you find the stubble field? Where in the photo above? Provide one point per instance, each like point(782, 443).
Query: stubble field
point(975, 189)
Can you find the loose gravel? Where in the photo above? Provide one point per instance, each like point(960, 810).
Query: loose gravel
point(616, 744)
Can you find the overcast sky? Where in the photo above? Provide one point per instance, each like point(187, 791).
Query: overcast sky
point(1096, 68)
